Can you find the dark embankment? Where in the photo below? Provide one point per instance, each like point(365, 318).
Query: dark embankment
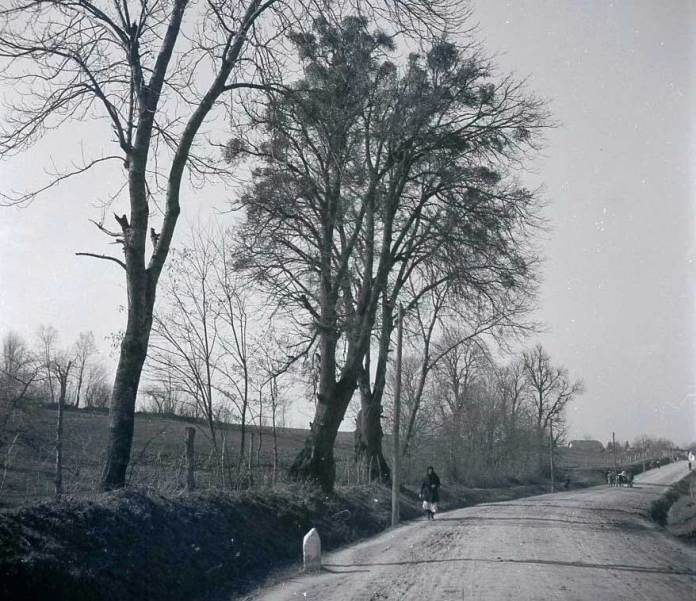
point(676, 509)
point(128, 545)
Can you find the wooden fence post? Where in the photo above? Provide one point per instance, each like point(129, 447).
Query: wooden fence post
point(190, 458)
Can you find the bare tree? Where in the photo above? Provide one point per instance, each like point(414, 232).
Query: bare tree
point(551, 389)
point(61, 365)
point(512, 388)
point(139, 67)
point(495, 317)
point(19, 373)
point(163, 393)
point(85, 348)
point(97, 386)
point(232, 307)
point(185, 348)
point(270, 364)
point(47, 341)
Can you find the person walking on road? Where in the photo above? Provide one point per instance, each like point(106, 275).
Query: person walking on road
point(430, 493)
point(691, 459)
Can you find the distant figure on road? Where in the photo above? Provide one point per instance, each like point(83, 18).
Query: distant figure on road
point(430, 493)
point(566, 485)
point(691, 459)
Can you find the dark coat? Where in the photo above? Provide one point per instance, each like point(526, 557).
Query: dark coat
point(430, 489)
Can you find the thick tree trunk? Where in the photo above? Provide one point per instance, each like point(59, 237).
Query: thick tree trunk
point(122, 410)
point(368, 439)
point(368, 432)
point(315, 463)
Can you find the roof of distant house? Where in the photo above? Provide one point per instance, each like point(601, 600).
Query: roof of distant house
point(585, 444)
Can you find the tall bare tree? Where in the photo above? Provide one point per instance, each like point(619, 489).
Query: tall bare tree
point(20, 372)
point(97, 387)
point(61, 366)
point(85, 348)
point(47, 342)
point(185, 348)
point(552, 390)
point(235, 377)
point(154, 71)
point(512, 388)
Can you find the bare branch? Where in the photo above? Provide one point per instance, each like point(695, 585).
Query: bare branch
point(105, 257)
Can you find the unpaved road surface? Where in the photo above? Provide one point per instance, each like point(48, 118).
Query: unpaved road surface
point(595, 544)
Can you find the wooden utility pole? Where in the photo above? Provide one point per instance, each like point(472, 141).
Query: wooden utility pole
point(613, 446)
point(396, 452)
point(251, 450)
point(551, 453)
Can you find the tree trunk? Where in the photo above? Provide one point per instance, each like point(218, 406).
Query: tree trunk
point(275, 450)
point(245, 404)
point(369, 433)
point(274, 411)
point(122, 410)
point(315, 463)
point(368, 439)
point(80, 377)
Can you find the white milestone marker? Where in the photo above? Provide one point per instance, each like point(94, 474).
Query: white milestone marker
point(311, 551)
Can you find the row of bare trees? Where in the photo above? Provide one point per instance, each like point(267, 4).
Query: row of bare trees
point(480, 417)
point(376, 178)
point(45, 372)
point(215, 353)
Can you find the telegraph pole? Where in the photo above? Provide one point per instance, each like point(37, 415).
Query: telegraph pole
point(551, 452)
point(397, 415)
point(613, 446)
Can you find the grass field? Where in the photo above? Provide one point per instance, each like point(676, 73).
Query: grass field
point(157, 457)
point(158, 463)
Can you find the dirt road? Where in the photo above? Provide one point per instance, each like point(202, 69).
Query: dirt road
point(595, 544)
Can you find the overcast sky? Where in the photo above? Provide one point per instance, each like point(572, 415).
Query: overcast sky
point(619, 292)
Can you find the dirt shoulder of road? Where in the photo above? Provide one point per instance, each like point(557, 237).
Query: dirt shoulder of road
point(131, 545)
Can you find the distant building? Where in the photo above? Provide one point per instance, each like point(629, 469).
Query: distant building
point(586, 445)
